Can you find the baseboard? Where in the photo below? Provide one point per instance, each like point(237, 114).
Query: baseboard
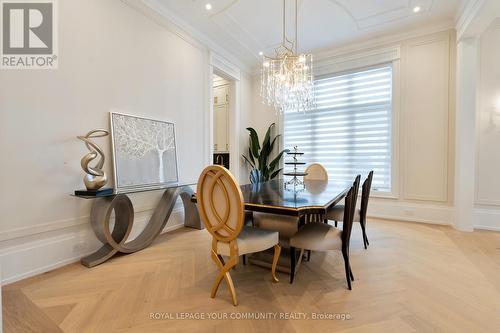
point(487, 228)
point(484, 218)
point(410, 212)
point(405, 219)
point(487, 219)
point(24, 257)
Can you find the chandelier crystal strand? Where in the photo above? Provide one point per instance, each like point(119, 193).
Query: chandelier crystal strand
point(287, 81)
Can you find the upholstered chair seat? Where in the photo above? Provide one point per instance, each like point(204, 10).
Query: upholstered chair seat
point(318, 237)
point(250, 240)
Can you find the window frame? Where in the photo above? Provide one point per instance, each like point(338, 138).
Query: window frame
point(396, 107)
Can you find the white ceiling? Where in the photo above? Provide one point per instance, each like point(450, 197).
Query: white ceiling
point(245, 27)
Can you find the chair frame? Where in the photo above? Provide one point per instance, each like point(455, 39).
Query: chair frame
point(217, 173)
point(365, 196)
point(350, 204)
point(349, 211)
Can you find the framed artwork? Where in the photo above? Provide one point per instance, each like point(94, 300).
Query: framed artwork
point(144, 152)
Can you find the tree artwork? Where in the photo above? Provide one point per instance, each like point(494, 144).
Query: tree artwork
point(135, 137)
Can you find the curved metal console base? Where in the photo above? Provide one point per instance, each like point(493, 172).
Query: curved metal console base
point(117, 240)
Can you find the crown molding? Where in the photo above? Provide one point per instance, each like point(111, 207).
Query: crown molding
point(155, 11)
point(227, 67)
point(477, 17)
point(469, 13)
point(386, 42)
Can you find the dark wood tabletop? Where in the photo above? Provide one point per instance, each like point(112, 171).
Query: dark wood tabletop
point(313, 198)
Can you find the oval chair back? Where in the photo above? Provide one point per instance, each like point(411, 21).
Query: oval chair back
point(220, 203)
point(349, 211)
point(316, 171)
point(365, 195)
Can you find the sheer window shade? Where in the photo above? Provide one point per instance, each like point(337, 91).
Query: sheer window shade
point(349, 132)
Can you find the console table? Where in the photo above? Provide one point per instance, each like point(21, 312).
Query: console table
point(117, 240)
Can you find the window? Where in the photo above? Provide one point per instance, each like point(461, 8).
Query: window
point(349, 132)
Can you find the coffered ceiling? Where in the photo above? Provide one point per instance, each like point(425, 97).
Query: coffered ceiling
point(246, 27)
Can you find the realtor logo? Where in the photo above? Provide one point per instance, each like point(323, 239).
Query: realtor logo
point(28, 34)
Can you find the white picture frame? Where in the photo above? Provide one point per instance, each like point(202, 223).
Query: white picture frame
point(144, 152)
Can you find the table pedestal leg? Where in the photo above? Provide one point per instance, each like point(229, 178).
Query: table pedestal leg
point(265, 258)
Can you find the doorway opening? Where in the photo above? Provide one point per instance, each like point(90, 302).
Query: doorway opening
point(221, 112)
point(223, 135)
point(224, 148)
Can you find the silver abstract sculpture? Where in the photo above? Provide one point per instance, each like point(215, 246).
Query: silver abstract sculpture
point(95, 177)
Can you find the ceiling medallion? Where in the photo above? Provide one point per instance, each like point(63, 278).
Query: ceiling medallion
point(287, 81)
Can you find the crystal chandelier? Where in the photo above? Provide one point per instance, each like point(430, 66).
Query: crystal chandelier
point(287, 81)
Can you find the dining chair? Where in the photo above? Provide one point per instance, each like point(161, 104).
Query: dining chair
point(221, 208)
point(319, 236)
point(336, 213)
point(316, 171)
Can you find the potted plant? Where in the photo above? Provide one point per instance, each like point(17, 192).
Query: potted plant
point(258, 157)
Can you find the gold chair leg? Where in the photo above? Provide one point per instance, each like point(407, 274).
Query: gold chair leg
point(224, 274)
point(277, 251)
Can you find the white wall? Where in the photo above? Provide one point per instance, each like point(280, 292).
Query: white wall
point(247, 119)
point(260, 117)
point(111, 57)
point(424, 132)
point(487, 212)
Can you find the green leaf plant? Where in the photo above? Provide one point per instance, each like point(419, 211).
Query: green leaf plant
point(258, 156)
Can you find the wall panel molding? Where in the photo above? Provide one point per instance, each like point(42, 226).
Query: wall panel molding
point(58, 225)
point(26, 256)
point(425, 117)
point(487, 191)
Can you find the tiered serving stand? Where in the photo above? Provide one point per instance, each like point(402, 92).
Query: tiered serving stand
point(295, 181)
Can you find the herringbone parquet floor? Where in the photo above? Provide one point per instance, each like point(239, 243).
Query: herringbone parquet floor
point(413, 278)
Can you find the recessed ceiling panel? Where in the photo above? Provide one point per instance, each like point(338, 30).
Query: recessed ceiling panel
point(249, 21)
point(362, 9)
point(246, 27)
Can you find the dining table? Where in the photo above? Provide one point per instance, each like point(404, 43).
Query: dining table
point(300, 203)
point(278, 197)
